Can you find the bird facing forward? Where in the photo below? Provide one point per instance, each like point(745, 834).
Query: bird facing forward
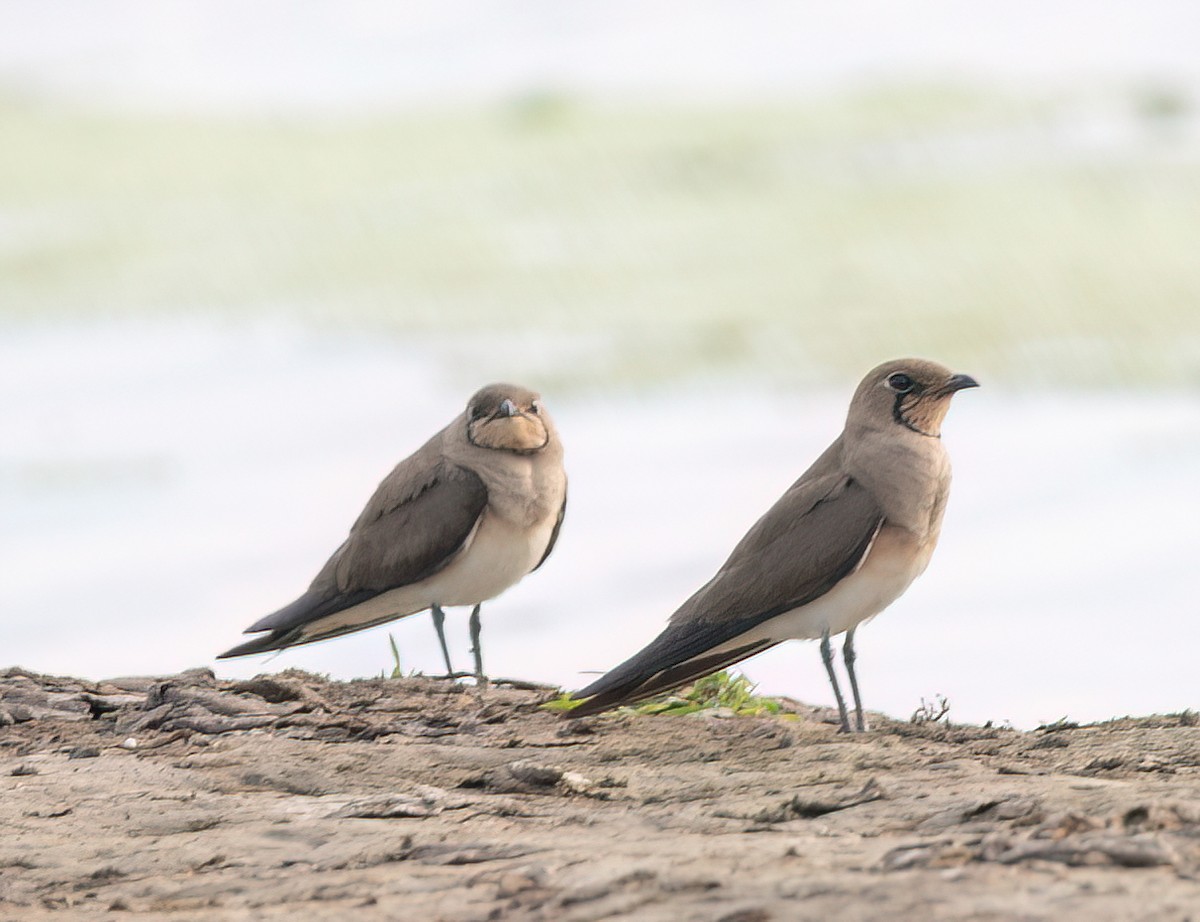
point(838, 547)
point(462, 519)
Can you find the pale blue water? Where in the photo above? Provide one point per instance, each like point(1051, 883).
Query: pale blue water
point(164, 484)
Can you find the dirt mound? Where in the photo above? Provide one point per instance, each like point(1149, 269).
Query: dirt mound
point(290, 795)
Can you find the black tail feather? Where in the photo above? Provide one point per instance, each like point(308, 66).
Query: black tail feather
point(266, 643)
point(644, 685)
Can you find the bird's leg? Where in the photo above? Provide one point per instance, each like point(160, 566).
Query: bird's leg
point(848, 654)
point(475, 648)
point(827, 659)
point(439, 621)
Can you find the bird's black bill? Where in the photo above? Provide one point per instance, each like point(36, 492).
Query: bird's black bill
point(959, 383)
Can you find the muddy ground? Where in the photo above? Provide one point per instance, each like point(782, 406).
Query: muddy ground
point(290, 796)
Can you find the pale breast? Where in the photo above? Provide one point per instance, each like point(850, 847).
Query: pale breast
point(908, 475)
point(498, 557)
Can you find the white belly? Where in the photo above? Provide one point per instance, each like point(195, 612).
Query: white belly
point(892, 563)
point(496, 557)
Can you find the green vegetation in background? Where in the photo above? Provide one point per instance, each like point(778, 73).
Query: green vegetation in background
point(794, 240)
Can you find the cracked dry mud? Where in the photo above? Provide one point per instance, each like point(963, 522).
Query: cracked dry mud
point(289, 796)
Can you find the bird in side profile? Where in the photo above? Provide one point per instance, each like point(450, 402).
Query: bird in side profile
point(465, 517)
point(838, 547)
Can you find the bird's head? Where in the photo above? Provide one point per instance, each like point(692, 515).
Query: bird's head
point(913, 393)
point(508, 417)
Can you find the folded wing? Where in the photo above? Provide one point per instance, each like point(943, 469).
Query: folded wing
point(414, 525)
point(814, 536)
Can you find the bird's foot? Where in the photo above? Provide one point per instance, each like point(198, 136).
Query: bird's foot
point(860, 725)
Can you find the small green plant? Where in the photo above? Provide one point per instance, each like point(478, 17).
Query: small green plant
point(719, 690)
point(564, 702)
point(397, 672)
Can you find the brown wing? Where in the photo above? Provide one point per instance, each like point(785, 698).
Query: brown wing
point(414, 525)
point(816, 535)
point(410, 541)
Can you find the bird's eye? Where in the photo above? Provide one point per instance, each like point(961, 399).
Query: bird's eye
point(900, 383)
point(535, 408)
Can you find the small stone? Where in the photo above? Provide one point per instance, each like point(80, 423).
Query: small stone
point(519, 879)
point(720, 713)
point(24, 769)
point(575, 783)
point(534, 774)
point(83, 752)
point(129, 743)
point(515, 882)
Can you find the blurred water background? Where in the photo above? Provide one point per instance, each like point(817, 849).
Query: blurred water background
point(251, 255)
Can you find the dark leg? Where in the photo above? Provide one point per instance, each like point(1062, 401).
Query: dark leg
point(848, 654)
point(827, 659)
point(475, 648)
point(439, 620)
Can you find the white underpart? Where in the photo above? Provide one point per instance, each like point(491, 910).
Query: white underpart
point(494, 557)
point(892, 562)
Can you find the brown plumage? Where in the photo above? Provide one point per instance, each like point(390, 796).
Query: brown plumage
point(463, 518)
point(839, 546)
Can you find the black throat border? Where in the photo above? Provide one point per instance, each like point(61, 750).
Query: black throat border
point(899, 417)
